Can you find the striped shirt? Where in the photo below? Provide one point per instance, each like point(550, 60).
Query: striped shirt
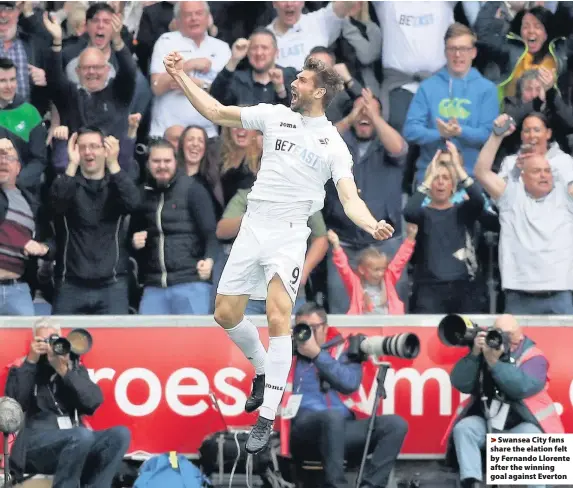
point(16, 230)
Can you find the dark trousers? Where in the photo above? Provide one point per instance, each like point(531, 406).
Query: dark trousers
point(330, 438)
point(77, 457)
point(446, 297)
point(76, 299)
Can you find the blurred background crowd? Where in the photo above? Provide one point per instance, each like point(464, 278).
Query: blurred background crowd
point(119, 197)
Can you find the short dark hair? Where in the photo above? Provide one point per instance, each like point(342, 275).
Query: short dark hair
point(6, 64)
point(160, 143)
point(265, 32)
point(310, 308)
point(322, 50)
point(324, 77)
point(98, 7)
point(91, 129)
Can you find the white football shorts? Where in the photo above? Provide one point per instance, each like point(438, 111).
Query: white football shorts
point(265, 247)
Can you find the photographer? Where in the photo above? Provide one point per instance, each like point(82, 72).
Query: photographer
point(327, 418)
point(515, 383)
point(54, 392)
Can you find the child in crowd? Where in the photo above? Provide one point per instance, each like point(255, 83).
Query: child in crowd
point(372, 287)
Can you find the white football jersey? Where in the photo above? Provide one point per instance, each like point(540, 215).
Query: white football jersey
point(300, 154)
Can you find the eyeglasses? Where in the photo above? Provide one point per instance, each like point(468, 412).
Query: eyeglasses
point(459, 49)
point(91, 147)
point(7, 8)
point(314, 327)
point(10, 159)
point(97, 67)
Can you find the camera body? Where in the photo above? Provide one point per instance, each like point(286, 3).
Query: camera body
point(404, 345)
point(459, 331)
point(77, 343)
point(60, 345)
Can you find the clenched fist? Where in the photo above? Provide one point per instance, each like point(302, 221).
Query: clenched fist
point(139, 239)
point(383, 231)
point(204, 268)
point(277, 77)
point(239, 49)
point(174, 63)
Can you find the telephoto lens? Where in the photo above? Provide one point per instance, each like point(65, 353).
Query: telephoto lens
point(405, 346)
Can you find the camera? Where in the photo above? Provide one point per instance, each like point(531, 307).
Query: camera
point(360, 347)
point(301, 333)
point(78, 342)
point(405, 346)
point(459, 331)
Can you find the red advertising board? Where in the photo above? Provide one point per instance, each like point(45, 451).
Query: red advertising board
point(156, 381)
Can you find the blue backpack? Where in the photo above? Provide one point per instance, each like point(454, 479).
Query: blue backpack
point(170, 470)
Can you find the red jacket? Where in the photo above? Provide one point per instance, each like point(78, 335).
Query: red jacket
point(353, 283)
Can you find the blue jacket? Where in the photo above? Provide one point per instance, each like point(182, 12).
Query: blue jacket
point(471, 100)
point(342, 375)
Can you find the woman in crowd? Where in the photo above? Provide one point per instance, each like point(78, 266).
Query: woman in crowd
point(240, 160)
point(536, 138)
point(445, 263)
point(536, 93)
point(197, 157)
point(530, 44)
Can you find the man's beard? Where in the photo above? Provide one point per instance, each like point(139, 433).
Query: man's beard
point(301, 106)
point(362, 139)
point(264, 69)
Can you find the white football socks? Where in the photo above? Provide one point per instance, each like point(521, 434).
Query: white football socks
point(246, 336)
point(277, 367)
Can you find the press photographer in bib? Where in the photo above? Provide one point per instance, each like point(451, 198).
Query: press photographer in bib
point(321, 401)
point(55, 392)
point(507, 376)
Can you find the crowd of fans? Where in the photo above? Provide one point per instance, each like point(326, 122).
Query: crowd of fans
point(118, 196)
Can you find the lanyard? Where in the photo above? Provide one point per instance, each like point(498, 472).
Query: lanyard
point(49, 387)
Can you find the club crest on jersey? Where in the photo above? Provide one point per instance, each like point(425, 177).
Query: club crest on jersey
point(323, 141)
point(288, 126)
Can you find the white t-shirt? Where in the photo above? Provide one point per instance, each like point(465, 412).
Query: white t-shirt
point(300, 154)
point(319, 28)
point(413, 35)
point(536, 236)
point(173, 108)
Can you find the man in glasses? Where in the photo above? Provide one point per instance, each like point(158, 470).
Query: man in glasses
point(17, 229)
point(456, 104)
point(90, 202)
point(96, 101)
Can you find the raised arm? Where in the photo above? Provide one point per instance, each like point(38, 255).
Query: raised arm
point(357, 211)
point(204, 103)
point(492, 182)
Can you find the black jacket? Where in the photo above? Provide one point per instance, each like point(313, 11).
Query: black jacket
point(180, 224)
point(107, 109)
point(238, 88)
point(32, 387)
point(154, 22)
point(36, 43)
point(90, 236)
